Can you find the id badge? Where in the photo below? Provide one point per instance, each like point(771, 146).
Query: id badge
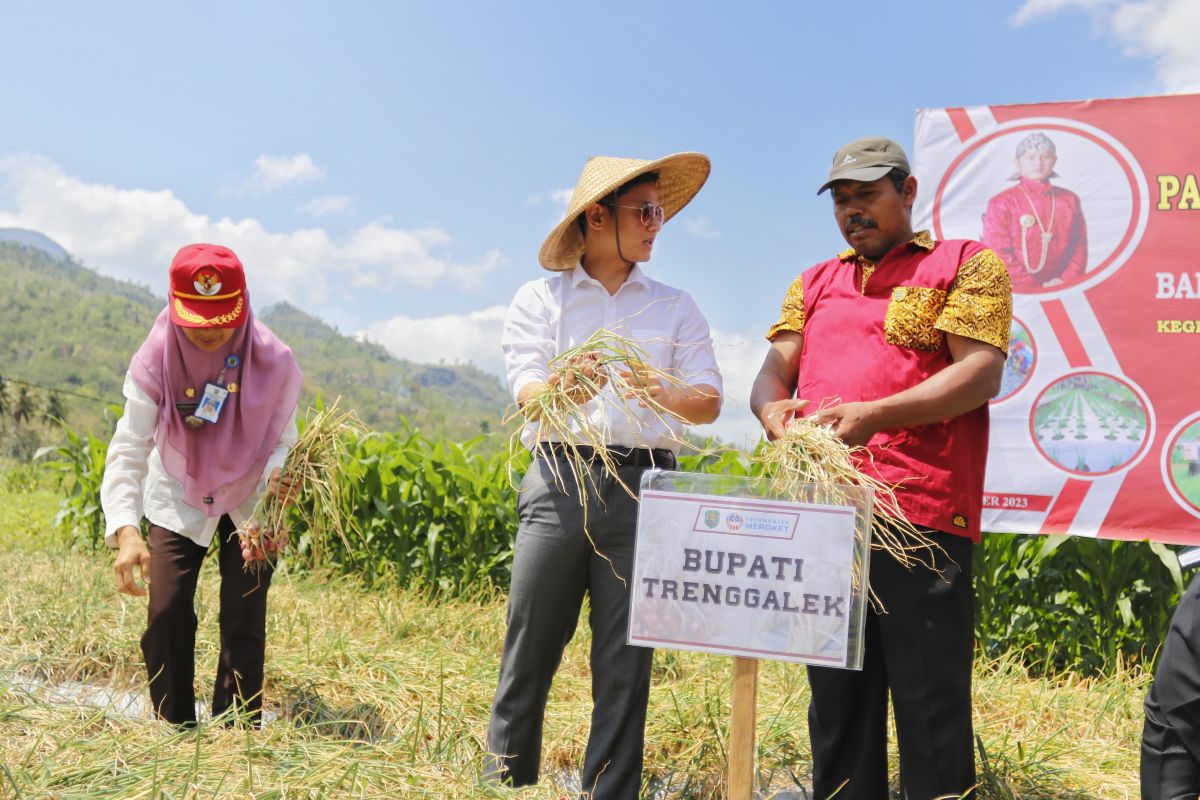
point(212, 402)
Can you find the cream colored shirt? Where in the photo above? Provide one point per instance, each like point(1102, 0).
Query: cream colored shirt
point(137, 485)
point(550, 315)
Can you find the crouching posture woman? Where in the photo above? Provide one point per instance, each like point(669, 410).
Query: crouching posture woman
point(210, 412)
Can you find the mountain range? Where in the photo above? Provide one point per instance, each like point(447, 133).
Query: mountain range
point(67, 327)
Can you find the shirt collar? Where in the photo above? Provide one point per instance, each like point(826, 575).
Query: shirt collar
point(923, 240)
point(577, 275)
point(1038, 187)
point(636, 276)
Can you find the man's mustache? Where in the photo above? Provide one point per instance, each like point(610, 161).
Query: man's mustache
point(860, 222)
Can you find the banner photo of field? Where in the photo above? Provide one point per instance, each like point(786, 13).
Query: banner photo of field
point(1094, 208)
point(746, 575)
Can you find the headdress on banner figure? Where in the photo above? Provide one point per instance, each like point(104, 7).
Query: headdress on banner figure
point(1034, 141)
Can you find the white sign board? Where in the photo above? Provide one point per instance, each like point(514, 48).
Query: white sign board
point(745, 576)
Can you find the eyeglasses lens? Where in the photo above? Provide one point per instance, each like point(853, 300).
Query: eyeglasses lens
point(652, 213)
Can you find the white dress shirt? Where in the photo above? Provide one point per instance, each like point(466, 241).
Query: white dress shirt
point(137, 485)
point(551, 315)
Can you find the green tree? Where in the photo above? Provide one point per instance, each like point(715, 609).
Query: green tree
point(24, 405)
point(54, 412)
point(5, 407)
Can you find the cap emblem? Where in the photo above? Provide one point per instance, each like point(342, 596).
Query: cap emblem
point(207, 282)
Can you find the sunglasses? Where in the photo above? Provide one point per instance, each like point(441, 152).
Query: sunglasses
point(651, 212)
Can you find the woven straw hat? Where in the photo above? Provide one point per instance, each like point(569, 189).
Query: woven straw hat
point(680, 176)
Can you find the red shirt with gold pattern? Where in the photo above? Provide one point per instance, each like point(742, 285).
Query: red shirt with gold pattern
point(872, 330)
point(1039, 232)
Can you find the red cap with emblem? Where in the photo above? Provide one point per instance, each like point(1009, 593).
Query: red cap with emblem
point(208, 287)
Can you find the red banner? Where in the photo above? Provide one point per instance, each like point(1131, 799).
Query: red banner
point(1095, 208)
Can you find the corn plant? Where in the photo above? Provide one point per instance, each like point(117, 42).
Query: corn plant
point(441, 515)
point(79, 463)
point(1074, 603)
point(430, 513)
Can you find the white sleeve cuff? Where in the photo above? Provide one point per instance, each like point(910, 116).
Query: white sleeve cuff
point(287, 439)
point(114, 524)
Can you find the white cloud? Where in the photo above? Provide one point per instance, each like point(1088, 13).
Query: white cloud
point(455, 338)
point(273, 172)
point(561, 197)
point(702, 227)
point(1033, 10)
point(739, 355)
point(133, 234)
point(1167, 31)
point(329, 204)
point(1163, 30)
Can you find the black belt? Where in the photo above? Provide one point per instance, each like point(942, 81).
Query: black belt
point(621, 456)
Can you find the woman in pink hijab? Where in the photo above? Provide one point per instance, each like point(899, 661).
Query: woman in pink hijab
point(210, 412)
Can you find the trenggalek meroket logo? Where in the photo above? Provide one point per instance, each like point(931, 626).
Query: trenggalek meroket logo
point(746, 522)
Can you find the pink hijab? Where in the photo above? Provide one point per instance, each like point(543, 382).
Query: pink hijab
point(220, 464)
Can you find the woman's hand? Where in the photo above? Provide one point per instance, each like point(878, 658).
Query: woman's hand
point(282, 486)
point(131, 552)
point(651, 391)
point(583, 379)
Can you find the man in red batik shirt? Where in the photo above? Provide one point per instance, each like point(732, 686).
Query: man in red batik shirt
point(1035, 227)
point(898, 343)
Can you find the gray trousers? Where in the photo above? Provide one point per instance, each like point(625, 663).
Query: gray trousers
point(553, 566)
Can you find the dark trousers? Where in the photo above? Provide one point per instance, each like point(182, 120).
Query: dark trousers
point(920, 649)
point(554, 565)
point(169, 643)
point(1171, 734)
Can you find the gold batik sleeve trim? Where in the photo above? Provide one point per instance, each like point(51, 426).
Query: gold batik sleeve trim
point(791, 316)
point(979, 305)
point(911, 317)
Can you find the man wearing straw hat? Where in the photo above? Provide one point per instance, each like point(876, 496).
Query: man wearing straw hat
point(898, 343)
point(577, 509)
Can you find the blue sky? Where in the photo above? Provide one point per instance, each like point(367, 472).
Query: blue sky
point(394, 168)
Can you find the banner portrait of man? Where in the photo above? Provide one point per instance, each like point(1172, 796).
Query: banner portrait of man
point(1037, 228)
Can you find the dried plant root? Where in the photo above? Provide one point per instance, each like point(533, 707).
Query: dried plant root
point(313, 469)
point(809, 463)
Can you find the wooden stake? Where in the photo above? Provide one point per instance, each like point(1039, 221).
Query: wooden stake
point(741, 729)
